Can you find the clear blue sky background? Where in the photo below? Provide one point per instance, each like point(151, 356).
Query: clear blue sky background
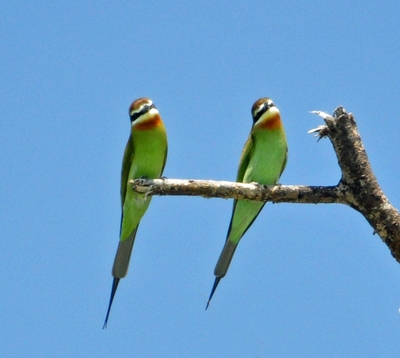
point(306, 281)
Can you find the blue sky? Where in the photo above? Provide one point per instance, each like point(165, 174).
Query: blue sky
point(306, 280)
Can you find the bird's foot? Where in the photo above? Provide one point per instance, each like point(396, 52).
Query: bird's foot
point(141, 181)
point(254, 183)
point(148, 192)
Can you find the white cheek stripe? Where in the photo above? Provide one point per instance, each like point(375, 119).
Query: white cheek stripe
point(145, 116)
point(270, 113)
point(259, 109)
point(149, 103)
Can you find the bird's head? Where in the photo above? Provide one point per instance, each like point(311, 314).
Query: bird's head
point(265, 114)
point(142, 109)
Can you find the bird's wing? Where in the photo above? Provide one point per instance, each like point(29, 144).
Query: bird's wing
point(126, 161)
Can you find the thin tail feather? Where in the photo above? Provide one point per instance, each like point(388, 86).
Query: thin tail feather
point(113, 290)
point(216, 282)
point(120, 267)
point(222, 265)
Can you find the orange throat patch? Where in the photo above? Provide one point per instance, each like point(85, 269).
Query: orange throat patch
point(149, 123)
point(273, 122)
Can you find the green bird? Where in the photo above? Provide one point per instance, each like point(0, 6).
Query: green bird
point(263, 160)
point(144, 157)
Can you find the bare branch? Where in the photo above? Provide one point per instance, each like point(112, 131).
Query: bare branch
point(232, 190)
point(364, 193)
point(358, 187)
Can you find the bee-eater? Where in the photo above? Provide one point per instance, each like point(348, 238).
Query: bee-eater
point(144, 157)
point(263, 160)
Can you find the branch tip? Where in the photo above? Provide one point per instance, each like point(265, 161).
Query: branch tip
point(320, 132)
point(324, 115)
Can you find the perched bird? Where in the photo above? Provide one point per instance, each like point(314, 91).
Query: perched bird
point(263, 160)
point(144, 157)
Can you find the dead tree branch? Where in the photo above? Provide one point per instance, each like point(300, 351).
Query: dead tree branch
point(357, 188)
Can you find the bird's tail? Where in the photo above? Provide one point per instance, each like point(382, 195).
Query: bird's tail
point(221, 268)
point(120, 267)
point(113, 290)
point(216, 282)
point(222, 265)
point(123, 256)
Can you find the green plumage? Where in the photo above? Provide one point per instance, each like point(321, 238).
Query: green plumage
point(144, 156)
point(263, 160)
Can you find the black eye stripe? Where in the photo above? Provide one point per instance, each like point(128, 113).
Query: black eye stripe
point(266, 106)
point(144, 110)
